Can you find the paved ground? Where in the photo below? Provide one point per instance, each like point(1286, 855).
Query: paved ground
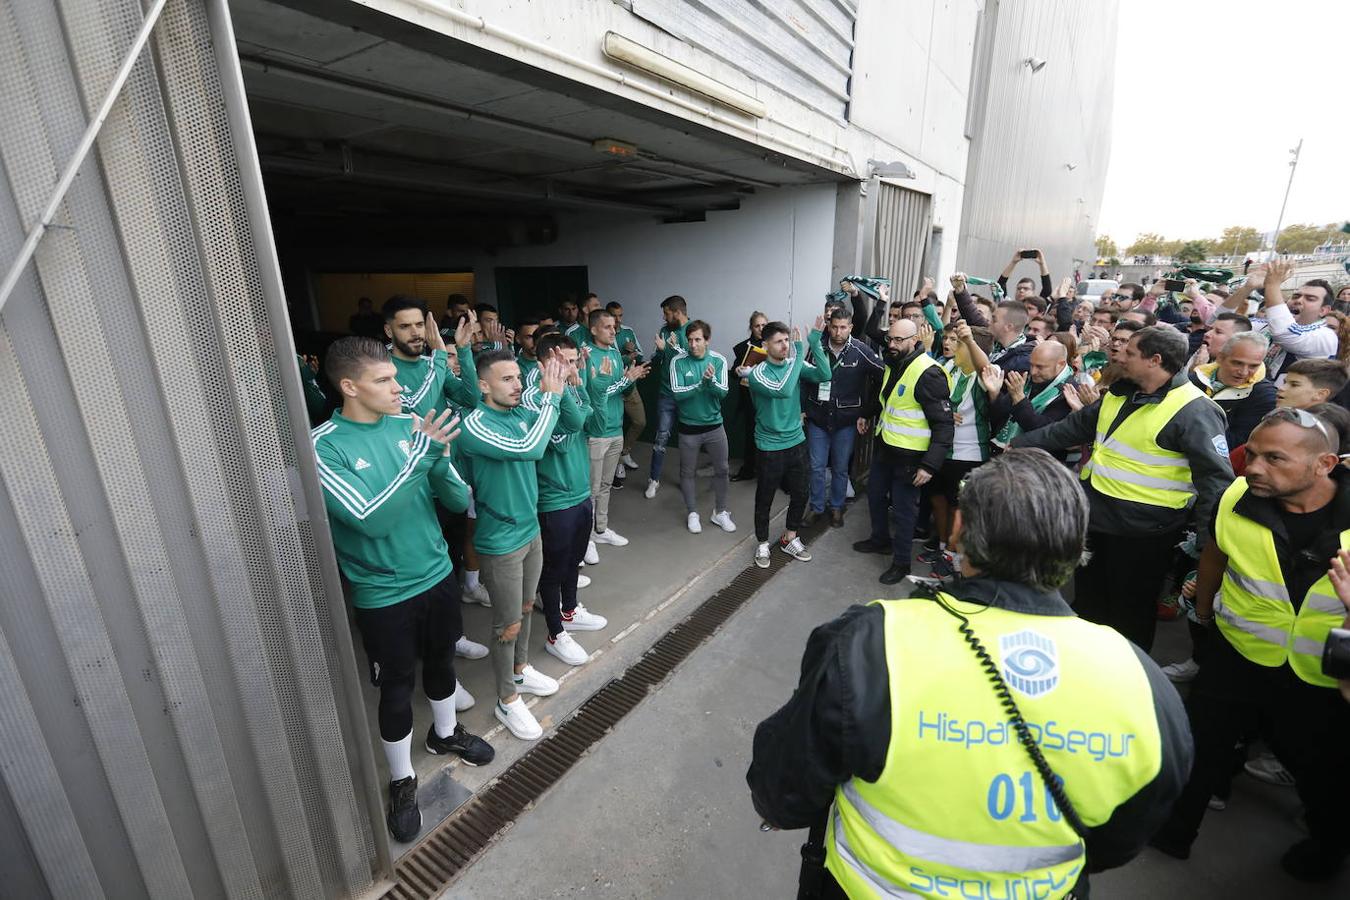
point(660, 807)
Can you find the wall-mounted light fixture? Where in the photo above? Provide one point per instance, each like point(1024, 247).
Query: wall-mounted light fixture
point(1035, 63)
point(630, 52)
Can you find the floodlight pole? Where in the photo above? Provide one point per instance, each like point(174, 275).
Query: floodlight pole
point(1279, 223)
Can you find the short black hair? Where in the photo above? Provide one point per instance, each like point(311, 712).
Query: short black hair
point(528, 320)
point(1149, 318)
point(675, 302)
point(1166, 343)
point(774, 328)
point(1030, 281)
point(481, 308)
point(347, 357)
point(1038, 302)
point(1240, 322)
point(592, 296)
point(456, 300)
point(553, 340)
point(841, 312)
point(613, 305)
point(1136, 291)
point(596, 315)
point(1338, 417)
point(489, 358)
point(1324, 285)
point(699, 325)
point(399, 302)
point(911, 303)
point(1129, 325)
point(1323, 373)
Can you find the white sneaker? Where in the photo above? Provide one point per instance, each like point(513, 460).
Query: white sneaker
point(1181, 672)
point(694, 526)
point(476, 594)
point(583, 582)
point(567, 649)
point(1268, 769)
point(584, 620)
point(518, 720)
point(532, 681)
point(795, 549)
point(463, 699)
point(762, 556)
point(591, 558)
point(470, 649)
point(609, 536)
point(627, 460)
point(652, 487)
point(723, 520)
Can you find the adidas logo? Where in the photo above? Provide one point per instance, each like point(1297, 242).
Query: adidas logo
point(361, 464)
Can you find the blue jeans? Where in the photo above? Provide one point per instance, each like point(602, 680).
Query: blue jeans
point(893, 501)
point(829, 450)
point(665, 426)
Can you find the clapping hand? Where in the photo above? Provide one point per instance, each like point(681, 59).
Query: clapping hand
point(464, 330)
point(796, 334)
point(660, 343)
point(552, 375)
point(434, 341)
point(493, 333)
point(607, 366)
point(991, 376)
point(926, 335)
point(1089, 393)
point(1016, 383)
point(708, 372)
point(1070, 394)
point(441, 429)
point(1340, 577)
point(638, 370)
point(819, 324)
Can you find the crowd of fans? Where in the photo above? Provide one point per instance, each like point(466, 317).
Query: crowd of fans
point(496, 451)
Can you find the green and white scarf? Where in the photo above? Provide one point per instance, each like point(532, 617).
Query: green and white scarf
point(1038, 403)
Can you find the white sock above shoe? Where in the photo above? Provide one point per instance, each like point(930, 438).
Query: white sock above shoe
point(399, 756)
point(443, 712)
point(471, 578)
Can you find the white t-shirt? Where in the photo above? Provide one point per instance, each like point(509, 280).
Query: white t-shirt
point(966, 442)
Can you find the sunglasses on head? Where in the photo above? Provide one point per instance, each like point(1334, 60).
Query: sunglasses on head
point(1303, 419)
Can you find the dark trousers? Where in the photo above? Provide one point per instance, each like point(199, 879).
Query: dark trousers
point(1308, 728)
point(789, 468)
point(745, 412)
point(1120, 585)
point(564, 533)
point(893, 502)
point(394, 636)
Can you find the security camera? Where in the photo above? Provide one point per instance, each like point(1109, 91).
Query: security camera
point(1035, 63)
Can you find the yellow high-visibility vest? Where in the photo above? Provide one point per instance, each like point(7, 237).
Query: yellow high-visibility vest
point(959, 809)
point(902, 423)
point(1255, 612)
point(1129, 465)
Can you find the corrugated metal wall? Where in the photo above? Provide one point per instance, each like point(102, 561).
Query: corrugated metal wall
point(178, 711)
point(1020, 189)
point(903, 228)
point(803, 47)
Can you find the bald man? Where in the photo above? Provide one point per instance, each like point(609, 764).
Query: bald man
point(1036, 399)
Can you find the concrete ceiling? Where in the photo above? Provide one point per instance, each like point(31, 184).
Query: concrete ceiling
point(358, 114)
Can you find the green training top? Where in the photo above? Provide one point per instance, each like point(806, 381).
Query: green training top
point(677, 341)
point(606, 392)
point(580, 335)
point(529, 370)
point(378, 480)
point(623, 336)
point(778, 408)
point(698, 399)
point(428, 383)
point(502, 447)
point(565, 471)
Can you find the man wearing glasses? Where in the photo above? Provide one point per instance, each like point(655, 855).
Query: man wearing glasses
point(1276, 531)
point(1159, 459)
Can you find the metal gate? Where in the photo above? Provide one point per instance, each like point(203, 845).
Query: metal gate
point(902, 233)
point(179, 710)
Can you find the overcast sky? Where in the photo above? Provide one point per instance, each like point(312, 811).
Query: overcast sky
point(1210, 97)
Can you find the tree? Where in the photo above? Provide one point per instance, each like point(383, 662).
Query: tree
point(1237, 240)
point(1146, 244)
point(1305, 238)
point(1192, 252)
point(1106, 246)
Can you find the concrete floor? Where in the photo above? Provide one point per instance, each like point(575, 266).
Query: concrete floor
point(660, 808)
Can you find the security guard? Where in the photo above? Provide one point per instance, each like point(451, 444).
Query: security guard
point(1159, 458)
point(899, 736)
point(913, 436)
point(1275, 534)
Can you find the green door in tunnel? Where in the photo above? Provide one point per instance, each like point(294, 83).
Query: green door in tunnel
point(537, 290)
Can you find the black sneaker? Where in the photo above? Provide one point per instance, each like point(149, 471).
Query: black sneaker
point(744, 475)
point(894, 575)
point(469, 747)
point(405, 819)
point(871, 546)
point(617, 484)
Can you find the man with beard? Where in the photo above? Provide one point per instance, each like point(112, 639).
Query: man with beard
point(1158, 459)
point(1043, 404)
point(1121, 333)
point(1276, 531)
point(913, 436)
point(419, 357)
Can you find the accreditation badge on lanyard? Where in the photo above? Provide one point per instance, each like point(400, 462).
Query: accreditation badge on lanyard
point(823, 392)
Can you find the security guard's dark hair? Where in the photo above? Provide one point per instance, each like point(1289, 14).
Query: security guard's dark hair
point(1165, 342)
point(1024, 519)
point(348, 357)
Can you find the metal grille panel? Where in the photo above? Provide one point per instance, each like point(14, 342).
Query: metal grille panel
point(903, 218)
point(169, 663)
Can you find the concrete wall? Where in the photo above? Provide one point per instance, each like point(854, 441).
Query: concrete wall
point(772, 254)
point(1039, 156)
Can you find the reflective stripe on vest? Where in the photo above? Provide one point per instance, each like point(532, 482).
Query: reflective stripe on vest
point(958, 809)
point(902, 423)
point(1255, 612)
point(1130, 465)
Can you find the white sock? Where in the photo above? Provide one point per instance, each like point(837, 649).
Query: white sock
point(399, 755)
point(443, 711)
point(764, 546)
point(471, 578)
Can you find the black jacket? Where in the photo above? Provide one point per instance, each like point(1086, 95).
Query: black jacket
point(1244, 412)
point(1196, 431)
point(851, 382)
point(934, 395)
point(837, 726)
point(1025, 415)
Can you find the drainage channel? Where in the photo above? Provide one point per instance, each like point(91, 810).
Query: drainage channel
point(427, 869)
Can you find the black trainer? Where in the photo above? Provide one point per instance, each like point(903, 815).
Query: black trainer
point(469, 747)
point(894, 575)
point(405, 819)
point(871, 546)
